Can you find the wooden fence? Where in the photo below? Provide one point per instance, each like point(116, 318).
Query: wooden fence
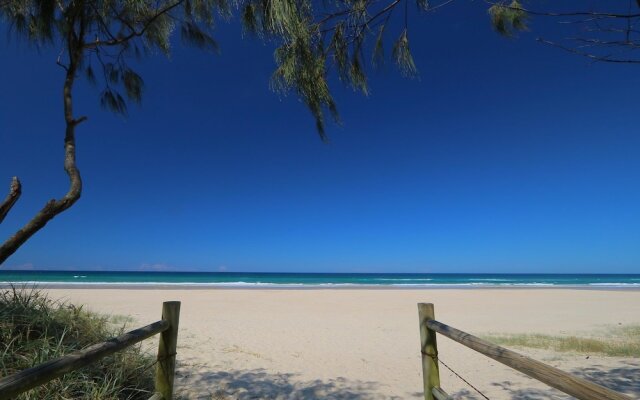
point(167, 327)
point(563, 381)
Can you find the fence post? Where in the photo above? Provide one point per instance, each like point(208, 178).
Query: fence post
point(165, 371)
point(429, 350)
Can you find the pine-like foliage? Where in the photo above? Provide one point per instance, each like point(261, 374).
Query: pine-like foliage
point(312, 37)
point(99, 39)
point(507, 18)
point(335, 35)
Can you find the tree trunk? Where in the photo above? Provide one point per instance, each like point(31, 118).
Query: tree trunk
point(55, 207)
point(14, 194)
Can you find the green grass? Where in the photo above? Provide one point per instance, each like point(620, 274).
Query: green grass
point(35, 329)
point(619, 342)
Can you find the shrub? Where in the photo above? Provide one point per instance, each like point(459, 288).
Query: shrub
point(35, 329)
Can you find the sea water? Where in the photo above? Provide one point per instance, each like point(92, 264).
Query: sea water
point(250, 279)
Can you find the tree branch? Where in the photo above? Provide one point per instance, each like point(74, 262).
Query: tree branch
point(566, 14)
point(594, 57)
point(15, 191)
point(75, 45)
point(134, 33)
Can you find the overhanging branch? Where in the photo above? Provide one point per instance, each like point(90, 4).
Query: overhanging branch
point(594, 57)
point(133, 33)
point(597, 14)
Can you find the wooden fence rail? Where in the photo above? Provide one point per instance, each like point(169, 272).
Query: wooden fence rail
point(167, 327)
point(554, 377)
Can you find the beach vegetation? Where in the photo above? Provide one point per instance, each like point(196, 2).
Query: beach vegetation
point(35, 329)
point(618, 342)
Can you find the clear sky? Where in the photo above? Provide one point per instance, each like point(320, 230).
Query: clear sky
point(505, 156)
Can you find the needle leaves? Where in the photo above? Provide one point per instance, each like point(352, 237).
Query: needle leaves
point(102, 38)
point(105, 38)
point(508, 18)
point(402, 55)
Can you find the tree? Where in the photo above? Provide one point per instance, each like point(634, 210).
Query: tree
point(105, 34)
point(98, 39)
point(609, 34)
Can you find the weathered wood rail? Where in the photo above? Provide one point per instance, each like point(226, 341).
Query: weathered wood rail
point(570, 384)
point(167, 327)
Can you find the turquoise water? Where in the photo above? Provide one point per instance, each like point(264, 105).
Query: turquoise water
point(316, 280)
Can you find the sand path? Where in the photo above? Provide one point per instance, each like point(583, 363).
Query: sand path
point(363, 344)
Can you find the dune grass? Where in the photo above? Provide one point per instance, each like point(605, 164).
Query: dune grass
point(35, 329)
point(618, 342)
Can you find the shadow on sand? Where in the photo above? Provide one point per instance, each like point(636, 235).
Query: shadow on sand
point(195, 383)
point(625, 379)
point(260, 384)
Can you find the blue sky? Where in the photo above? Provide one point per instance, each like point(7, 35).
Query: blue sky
point(505, 156)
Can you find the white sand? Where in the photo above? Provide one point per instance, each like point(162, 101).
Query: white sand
point(363, 344)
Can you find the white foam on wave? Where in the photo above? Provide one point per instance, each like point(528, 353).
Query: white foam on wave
point(492, 280)
point(242, 284)
point(475, 284)
point(402, 279)
point(115, 284)
point(614, 284)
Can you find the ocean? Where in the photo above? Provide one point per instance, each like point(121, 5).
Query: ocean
point(311, 280)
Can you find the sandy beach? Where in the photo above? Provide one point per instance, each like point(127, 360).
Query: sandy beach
point(364, 344)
